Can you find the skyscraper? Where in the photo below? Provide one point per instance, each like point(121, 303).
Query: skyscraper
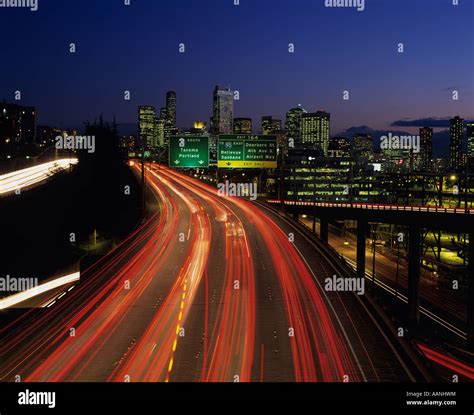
point(164, 114)
point(270, 125)
point(162, 126)
point(160, 131)
point(456, 142)
point(165, 124)
point(293, 124)
point(222, 111)
point(242, 126)
point(147, 125)
point(363, 146)
point(339, 147)
point(18, 123)
point(282, 141)
point(470, 140)
point(315, 128)
point(171, 108)
point(426, 149)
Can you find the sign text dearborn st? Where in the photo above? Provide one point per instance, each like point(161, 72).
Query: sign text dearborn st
point(247, 151)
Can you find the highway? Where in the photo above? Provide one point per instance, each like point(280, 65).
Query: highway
point(208, 288)
point(439, 305)
point(31, 176)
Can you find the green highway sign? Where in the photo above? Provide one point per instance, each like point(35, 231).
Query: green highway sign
point(247, 151)
point(189, 152)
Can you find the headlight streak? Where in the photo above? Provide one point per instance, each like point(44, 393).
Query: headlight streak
point(10, 182)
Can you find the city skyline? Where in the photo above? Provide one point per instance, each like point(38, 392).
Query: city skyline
point(224, 192)
point(382, 90)
point(166, 125)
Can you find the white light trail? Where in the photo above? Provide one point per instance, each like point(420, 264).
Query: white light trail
point(13, 181)
point(40, 289)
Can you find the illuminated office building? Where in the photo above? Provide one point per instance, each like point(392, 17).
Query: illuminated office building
point(456, 132)
point(147, 125)
point(363, 147)
point(312, 177)
point(270, 125)
point(426, 149)
point(171, 108)
point(315, 128)
point(18, 123)
point(470, 140)
point(339, 147)
point(293, 124)
point(242, 126)
point(222, 111)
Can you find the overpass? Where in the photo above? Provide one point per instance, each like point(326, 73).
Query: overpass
point(415, 218)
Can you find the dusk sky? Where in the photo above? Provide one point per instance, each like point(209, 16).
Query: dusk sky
point(246, 47)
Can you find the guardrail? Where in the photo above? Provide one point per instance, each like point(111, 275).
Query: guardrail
point(377, 206)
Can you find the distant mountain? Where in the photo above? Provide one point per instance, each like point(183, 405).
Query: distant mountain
point(433, 122)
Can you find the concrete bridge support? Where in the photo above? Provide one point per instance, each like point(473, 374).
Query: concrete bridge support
point(324, 230)
point(414, 256)
point(361, 240)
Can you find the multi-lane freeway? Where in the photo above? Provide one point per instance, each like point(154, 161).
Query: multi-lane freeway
point(208, 288)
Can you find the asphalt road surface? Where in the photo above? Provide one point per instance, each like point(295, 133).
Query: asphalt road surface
point(209, 288)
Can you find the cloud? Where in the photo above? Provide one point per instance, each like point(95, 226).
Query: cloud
point(364, 129)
